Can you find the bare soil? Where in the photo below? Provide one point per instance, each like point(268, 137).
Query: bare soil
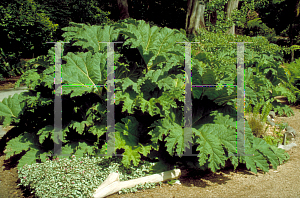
point(9, 82)
point(283, 182)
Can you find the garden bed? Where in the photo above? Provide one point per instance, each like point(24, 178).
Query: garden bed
point(223, 183)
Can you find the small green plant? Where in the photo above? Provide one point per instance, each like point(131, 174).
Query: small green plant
point(171, 182)
point(271, 140)
point(76, 177)
point(256, 125)
point(257, 120)
point(278, 136)
point(282, 126)
point(293, 72)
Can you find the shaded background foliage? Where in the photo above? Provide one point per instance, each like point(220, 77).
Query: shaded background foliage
point(27, 25)
point(172, 14)
point(23, 29)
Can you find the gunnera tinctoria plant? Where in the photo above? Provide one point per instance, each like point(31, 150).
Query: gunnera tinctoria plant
point(78, 177)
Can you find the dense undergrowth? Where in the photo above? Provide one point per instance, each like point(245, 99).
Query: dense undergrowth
point(149, 98)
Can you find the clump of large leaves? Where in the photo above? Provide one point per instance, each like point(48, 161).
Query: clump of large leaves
point(148, 101)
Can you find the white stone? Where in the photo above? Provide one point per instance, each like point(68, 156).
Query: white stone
point(287, 147)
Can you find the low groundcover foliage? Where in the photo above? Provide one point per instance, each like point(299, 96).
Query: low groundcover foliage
point(149, 98)
point(78, 177)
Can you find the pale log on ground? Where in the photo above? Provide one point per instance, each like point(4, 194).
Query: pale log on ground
point(112, 184)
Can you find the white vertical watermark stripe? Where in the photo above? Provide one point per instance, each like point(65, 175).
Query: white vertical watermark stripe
point(240, 101)
point(57, 101)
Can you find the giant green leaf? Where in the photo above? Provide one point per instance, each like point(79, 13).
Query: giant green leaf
point(90, 37)
point(83, 73)
point(11, 108)
point(127, 137)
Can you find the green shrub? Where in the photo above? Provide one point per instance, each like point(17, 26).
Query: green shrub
point(64, 12)
point(23, 29)
point(293, 70)
point(255, 27)
point(15, 67)
point(24, 25)
point(8, 64)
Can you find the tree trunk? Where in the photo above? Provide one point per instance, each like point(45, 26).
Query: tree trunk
point(194, 16)
point(230, 6)
point(123, 8)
